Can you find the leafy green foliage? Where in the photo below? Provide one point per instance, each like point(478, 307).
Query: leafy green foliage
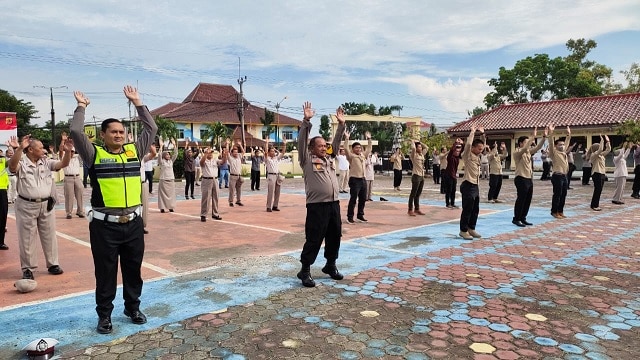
point(167, 128)
point(633, 79)
point(267, 120)
point(631, 130)
point(215, 133)
point(25, 112)
point(538, 78)
point(325, 127)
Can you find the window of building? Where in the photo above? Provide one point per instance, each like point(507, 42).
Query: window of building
point(180, 133)
point(287, 135)
point(203, 134)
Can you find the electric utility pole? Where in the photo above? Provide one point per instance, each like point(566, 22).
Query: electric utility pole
point(53, 112)
point(241, 103)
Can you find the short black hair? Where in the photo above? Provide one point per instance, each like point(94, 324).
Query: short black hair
point(105, 124)
point(522, 139)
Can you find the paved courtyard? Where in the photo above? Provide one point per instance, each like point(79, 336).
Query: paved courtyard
point(413, 289)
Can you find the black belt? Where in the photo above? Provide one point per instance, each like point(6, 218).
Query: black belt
point(559, 173)
point(235, 174)
point(273, 173)
point(207, 177)
point(33, 200)
point(73, 175)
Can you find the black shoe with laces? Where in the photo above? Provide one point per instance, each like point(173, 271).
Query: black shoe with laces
point(136, 316)
point(27, 274)
point(332, 271)
point(526, 222)
point(306, 278)
point(104, 325)
point(362, 219)
point(350, 221)
point(55, 270)
point(518, 223)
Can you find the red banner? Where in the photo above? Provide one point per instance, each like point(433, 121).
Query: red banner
point(8, 121)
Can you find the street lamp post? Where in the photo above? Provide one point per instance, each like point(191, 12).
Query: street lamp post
point(278, 117)
point(53, 112)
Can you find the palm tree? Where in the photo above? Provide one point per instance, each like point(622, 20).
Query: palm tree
point(214, 133)
point(267, 121)
point(167, 129)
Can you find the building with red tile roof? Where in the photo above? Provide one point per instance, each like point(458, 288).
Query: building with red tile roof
point(212, 103)
point(587, 117)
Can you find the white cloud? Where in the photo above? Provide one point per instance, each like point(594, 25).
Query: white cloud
point(453, 95)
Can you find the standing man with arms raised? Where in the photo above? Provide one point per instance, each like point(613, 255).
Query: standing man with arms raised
point(274, 179)
point(323, 207)
point(235, 161)
point(73, 187)
point(469, 187)
point(598, 152)
point(417, 156)
point(35, 201)
point(396, 160)
point(496, 156)
point(524, 177)
point(559, 158)
point(357, 182)
point(116, 227)
point(209, 199)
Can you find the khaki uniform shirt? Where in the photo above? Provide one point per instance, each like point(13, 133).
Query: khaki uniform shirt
point(320, 181)
point(357, 162)
point(35, 180)
point(522, 157)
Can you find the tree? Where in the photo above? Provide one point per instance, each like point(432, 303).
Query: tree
point(540, 78)
point(25, 111)
point(267, 120)
point(382, 131)
point(631, 130)
point(478, 110)
point(633, 79)
point(167, 128)
point(213, 133)
point(325, 128)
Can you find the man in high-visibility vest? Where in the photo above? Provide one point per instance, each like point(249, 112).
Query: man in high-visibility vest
point(116, 226)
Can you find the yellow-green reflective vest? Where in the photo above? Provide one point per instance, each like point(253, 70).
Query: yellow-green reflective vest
point(115, 178)
point(4, 174)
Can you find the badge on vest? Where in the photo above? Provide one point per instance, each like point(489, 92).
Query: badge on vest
point(129, 153)
point(107, 160)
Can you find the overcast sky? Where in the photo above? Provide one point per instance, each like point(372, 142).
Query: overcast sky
point(431, 57)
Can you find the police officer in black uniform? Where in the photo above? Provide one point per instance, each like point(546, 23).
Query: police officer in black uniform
point(116, 227)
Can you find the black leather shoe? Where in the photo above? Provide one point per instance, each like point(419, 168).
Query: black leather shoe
point(332, 271)
point(203, 218)
point(104, 326)
point(55, 270)
point(526, 222)
point(269, 210)
point(145, 231)
point(239, 203)
point(162, 211)
point(518, 223)
point(27, 274)
point(216, 217)
point(137, 317)
point(306, 278)
point(4, 247)
point(275, 209)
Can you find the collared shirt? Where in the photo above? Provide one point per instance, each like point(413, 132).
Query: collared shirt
point(597, 158)
point(272, 164)
point(74, 166)
point(235, 164)
point(620, 161)
point(256, 161)
point(495, 161)
point(210, 168)
point(35, 180)
point(396, 159)
point(417, 160)
point(471, 165)
point(522, 158)
point(321, 184)
point(343, 163)
point(357, 161)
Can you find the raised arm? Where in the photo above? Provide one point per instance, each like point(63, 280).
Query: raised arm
point(284, 149)
point(151, 154)
point(149, 126)
point(340, 130)
point(367, 151)
point(19, 149)
point(84, 146)
point(66, 158)
point(174, 154)
point(541, 143)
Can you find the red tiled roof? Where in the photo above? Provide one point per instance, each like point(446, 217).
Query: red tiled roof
point(595, 111)
point(210, 103)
